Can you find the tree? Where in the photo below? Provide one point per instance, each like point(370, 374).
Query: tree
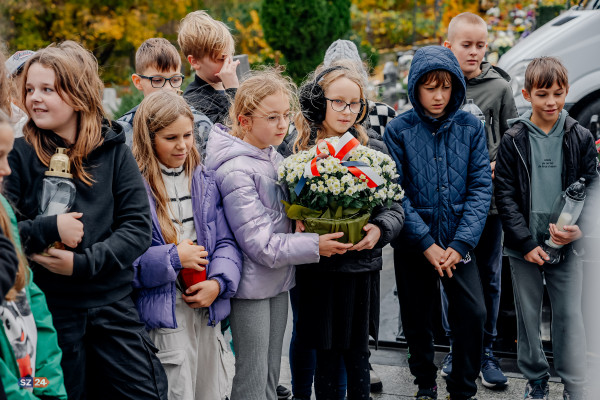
point(303, 29)
point(111, 29)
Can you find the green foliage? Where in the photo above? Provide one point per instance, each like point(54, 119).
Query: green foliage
point(111, 29)
point(130, 98)
point(303, 29)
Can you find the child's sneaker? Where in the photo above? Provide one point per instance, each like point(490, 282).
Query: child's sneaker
point(376, 384)
point(447, 365)
point(427, 394)
point(491, 374)
point(537, 389)
point(574, 395)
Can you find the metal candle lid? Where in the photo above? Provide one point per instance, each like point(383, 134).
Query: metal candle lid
point(59, 164)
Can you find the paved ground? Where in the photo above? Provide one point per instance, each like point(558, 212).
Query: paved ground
point(391, 364)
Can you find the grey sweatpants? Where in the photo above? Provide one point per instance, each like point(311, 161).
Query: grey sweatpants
point(257, 327)
point(564, 283)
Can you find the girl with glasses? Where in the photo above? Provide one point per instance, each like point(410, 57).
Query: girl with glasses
point(246, 172)
point(335, 313)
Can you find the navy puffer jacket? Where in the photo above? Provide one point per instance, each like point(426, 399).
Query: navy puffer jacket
point(443, 164)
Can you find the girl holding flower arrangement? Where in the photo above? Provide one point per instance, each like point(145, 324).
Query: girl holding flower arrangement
point(337, 299)
point(246, 173)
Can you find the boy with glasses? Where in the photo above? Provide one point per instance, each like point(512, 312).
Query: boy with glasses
point(158, 67)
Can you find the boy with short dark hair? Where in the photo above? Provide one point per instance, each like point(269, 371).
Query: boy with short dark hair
point(488, 86)
point(208, 46)
point(442, 159)
point(542, 153)
point(158, 67)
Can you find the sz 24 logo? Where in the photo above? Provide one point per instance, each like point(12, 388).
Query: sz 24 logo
point(31, 382)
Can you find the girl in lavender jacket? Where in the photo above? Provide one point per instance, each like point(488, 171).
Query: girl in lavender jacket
point(246, 163)
point(189, 232)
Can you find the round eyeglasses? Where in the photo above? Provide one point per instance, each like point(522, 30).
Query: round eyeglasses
point(273, 119)
point(340, 105)
point(158, 81)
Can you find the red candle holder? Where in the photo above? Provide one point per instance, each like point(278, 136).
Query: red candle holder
point(190, 276)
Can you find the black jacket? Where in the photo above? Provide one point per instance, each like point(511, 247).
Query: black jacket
point(116, 221)
point(513, 186)
point(8, 265)
point(388, 219)
point(213, 103)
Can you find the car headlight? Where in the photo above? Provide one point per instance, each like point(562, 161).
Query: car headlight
point(517, 74)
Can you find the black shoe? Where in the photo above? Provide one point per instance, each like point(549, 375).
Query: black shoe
point(283, 393)
point(376, 384)
point(427, 394)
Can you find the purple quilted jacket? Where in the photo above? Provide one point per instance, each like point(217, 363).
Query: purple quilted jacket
point(155, 271)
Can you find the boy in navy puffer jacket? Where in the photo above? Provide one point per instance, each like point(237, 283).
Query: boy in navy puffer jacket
point(444, 168)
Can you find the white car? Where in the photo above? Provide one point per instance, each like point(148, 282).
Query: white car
point(574, 38)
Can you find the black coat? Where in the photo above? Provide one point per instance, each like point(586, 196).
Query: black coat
point(8, 264)
point(116, 221)
point(513, 186)
point(206, 99)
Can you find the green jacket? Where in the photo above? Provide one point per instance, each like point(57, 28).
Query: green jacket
point(48, 354)
point(491, 92)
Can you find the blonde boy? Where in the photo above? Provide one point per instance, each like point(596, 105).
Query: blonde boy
point(158, 67)
point(489, 88)
point(208, 46)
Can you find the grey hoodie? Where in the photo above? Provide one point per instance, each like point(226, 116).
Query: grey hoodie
point(546, 170)
point(247, 179)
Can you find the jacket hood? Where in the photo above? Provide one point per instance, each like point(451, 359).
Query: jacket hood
point(563, 121)
point(489, 72)
point(222, 147)
point(113, 132)
point(430, 58)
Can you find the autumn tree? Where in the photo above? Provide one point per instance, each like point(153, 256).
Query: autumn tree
point(111, 29)
point(303, 29)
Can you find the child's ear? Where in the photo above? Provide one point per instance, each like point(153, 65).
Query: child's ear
point(245, 122)
point(137, 81)
point(193, 62)
point(526, 95)
point(448, 44)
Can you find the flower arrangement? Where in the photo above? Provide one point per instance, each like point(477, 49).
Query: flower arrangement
point(337, 183)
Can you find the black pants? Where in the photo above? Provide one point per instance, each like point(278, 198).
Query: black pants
point(327, 374)
point(418, 293)
point(107, 353)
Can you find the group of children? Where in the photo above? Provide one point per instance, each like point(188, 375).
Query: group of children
point(186, 230)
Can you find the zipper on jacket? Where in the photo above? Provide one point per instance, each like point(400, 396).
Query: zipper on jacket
point(526, 170)
point(494, 138)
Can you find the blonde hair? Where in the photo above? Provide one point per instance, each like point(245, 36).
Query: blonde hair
point(23, 271)
point(78, 84)
point(464, 18)
point(309, 133)
point(156, 112)
point(253, 90)
point(158, 53)
point(200, 35)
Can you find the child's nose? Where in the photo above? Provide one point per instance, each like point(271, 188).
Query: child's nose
point(4, 168)
point(34, 95)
